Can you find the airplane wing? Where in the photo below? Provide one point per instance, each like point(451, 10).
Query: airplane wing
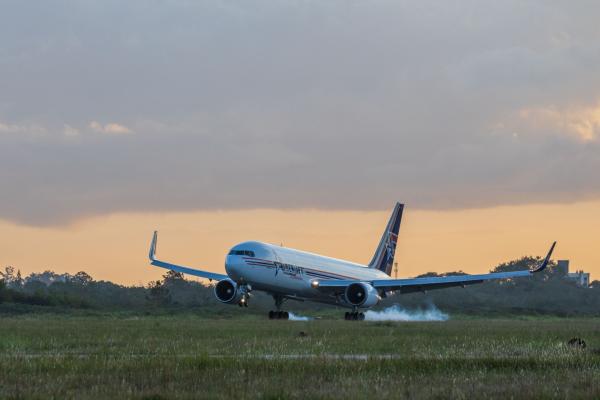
point(424, 284)
point(180, 268)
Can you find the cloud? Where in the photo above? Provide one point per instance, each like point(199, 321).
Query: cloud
point(335, 104)
point(581, 122)
point(28, 129)
point(116, 129)
point(110, 128)
point(70, 131)
point(5, 128)
point(96, 126)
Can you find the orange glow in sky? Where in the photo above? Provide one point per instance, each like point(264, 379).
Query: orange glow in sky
point(115, 247)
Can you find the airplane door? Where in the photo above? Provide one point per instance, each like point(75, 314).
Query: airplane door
point(277, 263)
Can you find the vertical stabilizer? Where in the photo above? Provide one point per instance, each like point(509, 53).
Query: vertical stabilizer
point(383, 259)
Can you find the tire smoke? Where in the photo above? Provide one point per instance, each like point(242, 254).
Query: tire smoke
point(397, 313)
point(294, 317)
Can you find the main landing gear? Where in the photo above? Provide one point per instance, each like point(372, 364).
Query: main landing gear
point(354, 316)
point(279, 314)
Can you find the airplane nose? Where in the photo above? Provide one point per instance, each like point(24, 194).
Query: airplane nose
point(232, 266)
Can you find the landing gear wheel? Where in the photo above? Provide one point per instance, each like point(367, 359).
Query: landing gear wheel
point(354, 316)
point(279, 315)
point(279, 300)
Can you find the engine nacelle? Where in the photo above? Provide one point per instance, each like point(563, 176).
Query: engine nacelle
point(362, 295)
point(227, 291)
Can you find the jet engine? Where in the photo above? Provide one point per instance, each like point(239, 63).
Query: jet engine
point(362, 295)
point(227, 291)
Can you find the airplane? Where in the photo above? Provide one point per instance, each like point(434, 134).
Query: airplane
point(289, 274)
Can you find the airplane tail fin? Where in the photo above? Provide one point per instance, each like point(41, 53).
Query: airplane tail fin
point(383, 259)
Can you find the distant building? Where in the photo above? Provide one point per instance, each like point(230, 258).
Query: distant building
point(579, 277)
point(562, 267)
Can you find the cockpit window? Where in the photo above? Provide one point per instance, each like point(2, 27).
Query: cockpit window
point(248, 253)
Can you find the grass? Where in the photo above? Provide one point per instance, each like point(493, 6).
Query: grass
point(190, 357)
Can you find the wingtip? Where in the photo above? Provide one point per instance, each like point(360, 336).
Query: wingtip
point(152, 251)
point(544, 264)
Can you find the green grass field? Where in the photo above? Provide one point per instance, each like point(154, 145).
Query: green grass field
point(189, 357)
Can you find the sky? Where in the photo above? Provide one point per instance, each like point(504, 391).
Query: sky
point(300, 122)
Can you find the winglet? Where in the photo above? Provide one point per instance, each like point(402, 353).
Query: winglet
point(152, 251)
point(544, 264)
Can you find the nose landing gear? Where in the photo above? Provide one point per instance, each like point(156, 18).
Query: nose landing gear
point(245, 291)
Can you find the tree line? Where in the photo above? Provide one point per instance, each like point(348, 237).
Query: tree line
point(547, 293)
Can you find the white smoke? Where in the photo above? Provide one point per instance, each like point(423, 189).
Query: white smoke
point(294, 317)
point(397, 313)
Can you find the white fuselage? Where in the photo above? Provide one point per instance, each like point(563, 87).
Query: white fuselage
point(288, 272)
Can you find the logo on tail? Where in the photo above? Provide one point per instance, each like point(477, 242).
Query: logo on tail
point(383, 259)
